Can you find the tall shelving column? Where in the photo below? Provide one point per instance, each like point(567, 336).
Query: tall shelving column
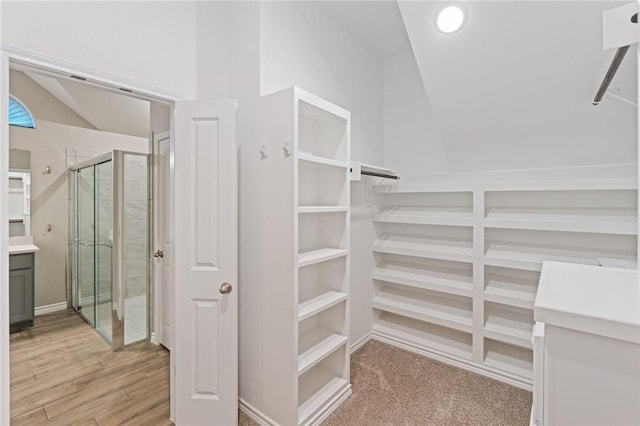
point(295, 244)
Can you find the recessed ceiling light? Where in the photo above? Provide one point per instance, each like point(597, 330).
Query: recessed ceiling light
point(450, 19)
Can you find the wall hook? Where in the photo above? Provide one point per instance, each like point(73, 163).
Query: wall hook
point(263, 152)
point(49, 228)
point(286, 148)
point(47, 170)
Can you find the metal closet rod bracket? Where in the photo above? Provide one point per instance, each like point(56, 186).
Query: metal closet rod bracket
point(615, 64)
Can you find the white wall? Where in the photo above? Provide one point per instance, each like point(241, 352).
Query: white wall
point(303, 46)
point(47, 144)
point(214, 49)
point(150, 43)
point(412, 142)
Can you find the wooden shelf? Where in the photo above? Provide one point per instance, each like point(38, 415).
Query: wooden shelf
point(426, 216)
point(443, 311)
point(457, 284)
point(312, 404)
point(530, 257)
point(603, 221)
point(322, 209)
point(455, 250)
point(509, 358)
point(320, 255)
point(316, 301)
point(315, 345)
point(423, 336)
point(322, 160)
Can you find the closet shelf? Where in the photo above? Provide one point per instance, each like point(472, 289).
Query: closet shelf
point(501, 289)
point(602, 221)
point(431, 312)
point(427, 280)
point(428, 336)
point(454, 250)
point(334, 387)
point(322, 209)
point(315, 345)
point(509, 335)
point(530, 257)
point(511, 359)
point(515, 298)
point(508, 325)
point(320, 255)
point(315, 303)
point(425, 216)
point(322, 160)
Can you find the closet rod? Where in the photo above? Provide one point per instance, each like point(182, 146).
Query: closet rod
point(382, 175)
point(611, 72)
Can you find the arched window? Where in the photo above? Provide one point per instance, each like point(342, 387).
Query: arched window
point(19, 115)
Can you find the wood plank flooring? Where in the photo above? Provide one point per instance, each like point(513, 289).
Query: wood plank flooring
point(63, 373)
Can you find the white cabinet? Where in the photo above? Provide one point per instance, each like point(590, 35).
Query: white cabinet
point(294, 261)
point(587, 346)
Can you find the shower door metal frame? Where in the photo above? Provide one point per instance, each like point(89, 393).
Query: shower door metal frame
point(118, 280)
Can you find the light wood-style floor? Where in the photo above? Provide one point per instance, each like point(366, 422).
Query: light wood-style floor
point(63, 373)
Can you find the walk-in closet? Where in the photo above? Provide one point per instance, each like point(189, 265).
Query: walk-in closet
point(355, 212)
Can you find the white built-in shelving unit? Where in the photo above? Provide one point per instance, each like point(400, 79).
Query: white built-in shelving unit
point(458, 258)
point(295, 292)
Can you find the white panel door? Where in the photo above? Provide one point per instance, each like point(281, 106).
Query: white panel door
point(205, 324)
point(162, 238)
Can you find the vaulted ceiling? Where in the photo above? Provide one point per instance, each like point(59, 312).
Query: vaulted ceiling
point(513, 87)
point(106, 111)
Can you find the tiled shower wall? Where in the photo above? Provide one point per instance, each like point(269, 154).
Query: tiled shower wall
point(136, 225)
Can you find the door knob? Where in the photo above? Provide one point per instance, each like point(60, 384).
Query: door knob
point(225, 288)
point(158, 253)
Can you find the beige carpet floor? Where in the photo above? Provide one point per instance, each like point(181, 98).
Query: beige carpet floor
point(392, 386)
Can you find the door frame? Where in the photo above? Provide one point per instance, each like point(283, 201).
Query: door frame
point(20, 59)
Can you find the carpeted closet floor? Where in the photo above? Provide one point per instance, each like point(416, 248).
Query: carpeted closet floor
point(392, 386)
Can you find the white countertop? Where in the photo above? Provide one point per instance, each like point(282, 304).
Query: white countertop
point(20, 245)
point(593, 299)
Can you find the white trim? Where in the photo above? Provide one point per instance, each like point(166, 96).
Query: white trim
point(47, 309)
point(153, 338)
point(334, 402)
point(4, 241)
point(254, 414)
point(36, 62)
point(360, 342)
point(465, 364)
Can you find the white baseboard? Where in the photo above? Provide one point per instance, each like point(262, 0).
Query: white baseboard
point(360, 343)
point(332, 405)
point(47, 309)
point(465, 364)
point(255, 414)
point(154, 338)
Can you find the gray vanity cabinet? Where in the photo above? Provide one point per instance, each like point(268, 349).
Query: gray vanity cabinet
point(21, 291)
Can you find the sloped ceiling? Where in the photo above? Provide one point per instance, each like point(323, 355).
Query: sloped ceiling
point(376, 24)
point(512, 89)
point(106, 111)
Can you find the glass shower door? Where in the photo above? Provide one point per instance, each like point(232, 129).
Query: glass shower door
point(84, 243)
point(103, 246)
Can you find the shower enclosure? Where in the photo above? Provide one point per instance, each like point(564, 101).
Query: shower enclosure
point(110, 245)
